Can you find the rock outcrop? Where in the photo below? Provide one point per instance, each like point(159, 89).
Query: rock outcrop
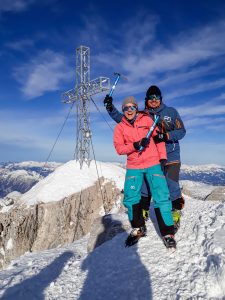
point(49, 225)
point(218, 194)
point(196, 190)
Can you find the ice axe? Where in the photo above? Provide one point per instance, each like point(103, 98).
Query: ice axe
point(118, 76)
point(150, 131)
point(115, 83)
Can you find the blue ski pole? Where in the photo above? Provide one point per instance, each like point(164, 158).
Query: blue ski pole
point(150, 131)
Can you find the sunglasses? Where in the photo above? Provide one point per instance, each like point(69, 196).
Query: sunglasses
point(126, 108)
point(151, 97)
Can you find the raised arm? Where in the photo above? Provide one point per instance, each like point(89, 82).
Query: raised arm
point(111, 109)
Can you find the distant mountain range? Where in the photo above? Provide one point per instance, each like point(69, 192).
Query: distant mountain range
point(22, 176)
point(209, 174)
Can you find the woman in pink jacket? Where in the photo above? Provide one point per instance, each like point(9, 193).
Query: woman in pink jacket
point(129, 137)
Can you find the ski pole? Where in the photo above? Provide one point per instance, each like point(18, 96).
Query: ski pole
point(150, 131)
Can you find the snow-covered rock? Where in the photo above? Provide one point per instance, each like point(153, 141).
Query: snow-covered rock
point(218, 194)
point(197, 190)
point(59, 209)
point(69, 179)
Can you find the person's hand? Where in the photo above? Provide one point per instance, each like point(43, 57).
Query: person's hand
point(163, 164)
point(160, 137)
point(108, 102)
point(142, 143)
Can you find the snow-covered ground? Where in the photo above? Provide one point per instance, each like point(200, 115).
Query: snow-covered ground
point(196, 270)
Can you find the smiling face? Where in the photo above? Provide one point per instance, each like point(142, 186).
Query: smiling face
point(154, 101)
point(130, 111)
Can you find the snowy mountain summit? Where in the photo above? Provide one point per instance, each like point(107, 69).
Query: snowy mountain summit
point(69, 179)
point(21, 177)
point(196, 270)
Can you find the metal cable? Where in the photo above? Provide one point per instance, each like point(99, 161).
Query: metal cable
point(102, 114)
point(63, 125)
point(98, 174)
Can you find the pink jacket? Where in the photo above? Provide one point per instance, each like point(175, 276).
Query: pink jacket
point(126, 134)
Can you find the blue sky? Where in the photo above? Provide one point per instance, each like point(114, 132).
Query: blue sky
point(177, 45)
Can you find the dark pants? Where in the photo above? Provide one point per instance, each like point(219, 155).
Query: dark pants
point(171, 172)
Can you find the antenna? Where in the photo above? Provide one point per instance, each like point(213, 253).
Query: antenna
point(81, 94)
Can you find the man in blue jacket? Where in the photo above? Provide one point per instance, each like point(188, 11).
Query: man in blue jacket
point(171, 130)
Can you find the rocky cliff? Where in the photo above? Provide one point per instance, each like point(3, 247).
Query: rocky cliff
point(48, 225)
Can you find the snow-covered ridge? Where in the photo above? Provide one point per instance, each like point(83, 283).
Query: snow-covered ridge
point(22, 176)
point(69, 179)
point(28, 164)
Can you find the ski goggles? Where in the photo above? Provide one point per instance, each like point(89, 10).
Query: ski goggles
point(126, 108)
point(152, 97)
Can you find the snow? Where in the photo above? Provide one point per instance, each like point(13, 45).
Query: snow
point(196, 270)
point(9, 244)
point(30, 164)
point(69, 179)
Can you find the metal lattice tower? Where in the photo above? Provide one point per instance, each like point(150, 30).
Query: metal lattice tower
point(81, 94)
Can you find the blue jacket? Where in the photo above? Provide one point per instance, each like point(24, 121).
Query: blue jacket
point(169, 122)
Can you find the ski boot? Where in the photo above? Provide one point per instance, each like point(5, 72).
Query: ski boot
point(176, 219)
point(135, 235)
point(169, 241)
point(145, 214)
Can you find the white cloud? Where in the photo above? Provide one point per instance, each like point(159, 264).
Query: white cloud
point(35, 131)
point(197, 88)
point(187, 58)
point(20, 45)
point(14, 5)
point(204, 123)
point(206, 109)
point(44, 73)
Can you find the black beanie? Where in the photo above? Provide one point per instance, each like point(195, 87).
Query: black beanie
point(152, 90)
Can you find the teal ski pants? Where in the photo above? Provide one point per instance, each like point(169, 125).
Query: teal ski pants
point(158, 186)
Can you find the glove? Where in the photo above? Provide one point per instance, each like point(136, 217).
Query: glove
point(163, 164)
point(160, 137)
point(108, 103)
point(142, 143)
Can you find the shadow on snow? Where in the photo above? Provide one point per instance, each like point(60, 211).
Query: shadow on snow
point(115, 272)
point(33, 287)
